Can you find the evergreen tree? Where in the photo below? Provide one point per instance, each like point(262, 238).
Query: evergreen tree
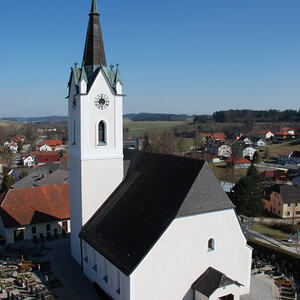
point(247, 195)
point(7, 182)
point(20, 146)
point(256, 157)
point(23, 174)
point(146, 144)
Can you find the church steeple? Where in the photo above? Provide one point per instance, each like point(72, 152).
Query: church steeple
point(94, 54)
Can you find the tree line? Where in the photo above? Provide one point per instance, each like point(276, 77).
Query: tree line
point(271, 115)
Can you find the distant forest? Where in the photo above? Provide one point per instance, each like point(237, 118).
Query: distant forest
point(233, 116)
point(156, 117)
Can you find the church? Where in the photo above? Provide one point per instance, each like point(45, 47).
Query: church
point(144, 226)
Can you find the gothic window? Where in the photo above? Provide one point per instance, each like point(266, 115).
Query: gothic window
point(211, 245)
point(101, 133)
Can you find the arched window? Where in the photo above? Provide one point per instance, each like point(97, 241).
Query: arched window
point(101, 133)
point(211, 245)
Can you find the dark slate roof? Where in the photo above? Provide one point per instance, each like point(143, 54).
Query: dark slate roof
point(94, 49)
point(210, 281)
point(36, 175)
point(157, 189)
point(288, 193)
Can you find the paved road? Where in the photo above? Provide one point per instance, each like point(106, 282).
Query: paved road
point(76, 286)
point(263, 238)
point(261, 288)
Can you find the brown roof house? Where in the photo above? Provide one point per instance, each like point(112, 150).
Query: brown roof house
point(283, 200)
point(35, 212)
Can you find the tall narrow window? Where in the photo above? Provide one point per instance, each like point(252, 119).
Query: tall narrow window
point(101, 133)
point(74, 133)
point(211, 245)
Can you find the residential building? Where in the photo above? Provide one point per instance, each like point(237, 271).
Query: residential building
point(246, 140)
point(13, 147)
point(224, 151)
point(285, 133)
point(217, 136)
point(258, 142)
point(35, 213)
point(289, 158)
point(50, 145)
point(249, 152)
point(238, 162)
point(42, 157)
point(134, 218)
point(29, 160)
point(274, 175)
point(265, 134)
point(283, 200)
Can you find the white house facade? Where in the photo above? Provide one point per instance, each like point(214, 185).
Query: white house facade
point(249, 152)
point(141, 219)
point(45, 147)
point(224, 151)
point(29, 161)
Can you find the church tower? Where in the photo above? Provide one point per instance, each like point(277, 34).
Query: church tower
point(95, 106)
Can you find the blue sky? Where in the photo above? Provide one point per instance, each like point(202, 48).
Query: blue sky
point(193, 56)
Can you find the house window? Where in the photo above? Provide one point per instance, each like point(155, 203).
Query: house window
point(33, 229)
point(279, 212)
point(274, 209)
point(288, 213)
point(101, 134)
point(297, 212)
point(48, 227)
point(118, 283)
point(105, 277)
point(211, 245)
point(289, 204)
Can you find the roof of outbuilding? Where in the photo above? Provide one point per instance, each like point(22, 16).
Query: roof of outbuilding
point(288, 193)
point(211, 280)
point(157, 189)
point(21, 207)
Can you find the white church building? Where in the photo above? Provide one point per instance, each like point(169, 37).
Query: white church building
point(144, 226)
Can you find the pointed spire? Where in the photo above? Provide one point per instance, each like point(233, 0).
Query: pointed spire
point(94, 54)
point(118, 76)
point(94, 8)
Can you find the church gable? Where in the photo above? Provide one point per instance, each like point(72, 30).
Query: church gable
point(134, 217)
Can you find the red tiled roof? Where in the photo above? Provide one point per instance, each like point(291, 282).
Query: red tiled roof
point(216, 136)
point(239, 160)
point(21, 205)
point(287, 128)
point(20, 136)
point(51, 143)
point(264, 131)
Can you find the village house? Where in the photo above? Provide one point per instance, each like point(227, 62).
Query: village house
point(246, 140)
point(274, 175)
point(283, 200)
point(265, 134)
point(289, 158)
point(285, 133)
point(224, 151)
point(217, 136)
point(42, 157)
point(258, 142)
point(29, 160)
point(238, 162)
point(249, 152)
point(13, 147)
point(134, 214)
point(35, 213)
point(50, 145)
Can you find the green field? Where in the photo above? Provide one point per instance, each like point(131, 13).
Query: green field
point(138, 128)
point(275, 234)
point(275, 149)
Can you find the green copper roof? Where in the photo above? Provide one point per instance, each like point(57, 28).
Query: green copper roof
point(118, 76)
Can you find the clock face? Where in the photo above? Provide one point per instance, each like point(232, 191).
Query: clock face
point(101, 101)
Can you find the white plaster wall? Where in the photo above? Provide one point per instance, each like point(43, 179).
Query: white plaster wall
point(111, 286)
point(95, 171)
point(181, 256)
point(45, 148)
point(40, 228)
